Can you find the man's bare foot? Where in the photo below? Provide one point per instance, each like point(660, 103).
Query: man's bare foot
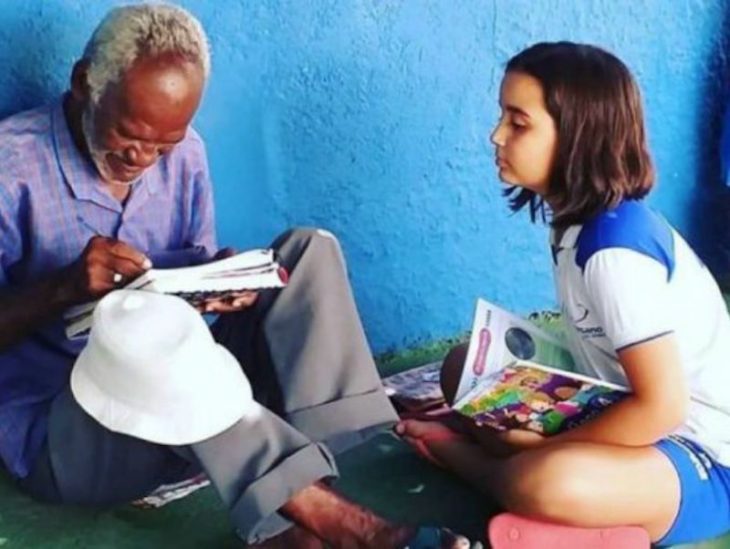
point(295, 537)
point(345, 525)
point(341, 523)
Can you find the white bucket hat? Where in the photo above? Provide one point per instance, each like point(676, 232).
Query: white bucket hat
point(152, 370)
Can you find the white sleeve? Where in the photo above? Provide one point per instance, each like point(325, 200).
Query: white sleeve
point(630, 295)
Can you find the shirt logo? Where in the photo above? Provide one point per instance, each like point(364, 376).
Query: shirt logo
point(579, 315)
point(582, 311)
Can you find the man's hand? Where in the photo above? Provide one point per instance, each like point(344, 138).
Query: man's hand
point(105, 264)
point(233, 301)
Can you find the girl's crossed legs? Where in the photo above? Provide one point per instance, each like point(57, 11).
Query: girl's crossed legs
point(672, 489)
point(579, 484)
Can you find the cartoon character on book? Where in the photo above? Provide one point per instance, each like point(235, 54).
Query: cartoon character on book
point(597, 401)
point(516, 388)
point(530, 382)
point(572, 405)
point(533, 412)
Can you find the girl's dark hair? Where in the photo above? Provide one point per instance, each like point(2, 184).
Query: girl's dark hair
point(601, 156)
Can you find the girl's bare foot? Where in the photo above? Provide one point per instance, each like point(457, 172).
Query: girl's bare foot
point(428, 430)
point(429, 438)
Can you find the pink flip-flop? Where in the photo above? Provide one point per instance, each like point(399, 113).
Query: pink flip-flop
point(508, 531)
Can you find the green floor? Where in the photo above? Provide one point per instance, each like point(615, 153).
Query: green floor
point(383, 474)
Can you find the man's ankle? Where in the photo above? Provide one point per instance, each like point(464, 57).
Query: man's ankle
point(338, 521)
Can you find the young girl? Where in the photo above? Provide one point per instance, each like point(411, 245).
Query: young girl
point(640, 307)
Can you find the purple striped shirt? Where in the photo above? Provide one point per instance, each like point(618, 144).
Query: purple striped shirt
point(51, 204)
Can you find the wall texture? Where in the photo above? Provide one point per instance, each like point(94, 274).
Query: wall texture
point(370, 118)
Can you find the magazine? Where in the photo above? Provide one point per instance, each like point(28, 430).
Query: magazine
point(417, 389)
point(526, 395)
point(168, 493)
point(251, 270)
point(499, 338)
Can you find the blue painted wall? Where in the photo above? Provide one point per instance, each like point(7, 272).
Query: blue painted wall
point(370, 118)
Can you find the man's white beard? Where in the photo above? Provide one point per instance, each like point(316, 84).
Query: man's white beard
point(97, 153)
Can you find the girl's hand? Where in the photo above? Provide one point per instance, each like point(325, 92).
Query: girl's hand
point(502, 444)
point(521, 439)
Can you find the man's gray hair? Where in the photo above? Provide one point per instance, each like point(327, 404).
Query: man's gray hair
point(144, 30)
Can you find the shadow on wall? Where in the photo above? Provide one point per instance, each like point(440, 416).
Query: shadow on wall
point(42, 41)
point(710, 211)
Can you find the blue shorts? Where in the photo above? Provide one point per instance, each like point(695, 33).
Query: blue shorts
point(704, 509)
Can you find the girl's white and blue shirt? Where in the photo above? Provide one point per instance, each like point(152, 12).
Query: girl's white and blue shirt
point(627, 277)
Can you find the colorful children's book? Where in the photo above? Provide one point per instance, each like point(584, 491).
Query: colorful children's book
point(499, 338)
point(517, 376)
point(530, 396)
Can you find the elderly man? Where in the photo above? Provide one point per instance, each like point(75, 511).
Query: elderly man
point(96, 188)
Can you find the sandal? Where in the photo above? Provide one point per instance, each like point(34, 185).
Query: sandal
point(508, 531)
point(432, 537)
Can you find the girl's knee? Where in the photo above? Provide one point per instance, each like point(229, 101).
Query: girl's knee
point(451, 371)
point(545, 484)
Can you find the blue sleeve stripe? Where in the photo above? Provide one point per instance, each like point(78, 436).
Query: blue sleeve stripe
point(633, 226)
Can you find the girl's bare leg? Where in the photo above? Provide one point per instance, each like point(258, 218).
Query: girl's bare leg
point(589, 485)
point(578, 484)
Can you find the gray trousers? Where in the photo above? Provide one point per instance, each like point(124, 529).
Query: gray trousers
point(304, 352)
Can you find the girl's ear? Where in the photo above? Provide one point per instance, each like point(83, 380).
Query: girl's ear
point(79, 81)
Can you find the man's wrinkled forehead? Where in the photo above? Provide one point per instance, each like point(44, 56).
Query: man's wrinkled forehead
point(161, 91)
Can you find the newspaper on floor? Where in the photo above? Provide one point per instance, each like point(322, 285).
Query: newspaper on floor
point(172, 492)
point(416, 389)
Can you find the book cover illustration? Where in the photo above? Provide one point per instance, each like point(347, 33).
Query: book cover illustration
point(499, 338)
point(536, 398)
